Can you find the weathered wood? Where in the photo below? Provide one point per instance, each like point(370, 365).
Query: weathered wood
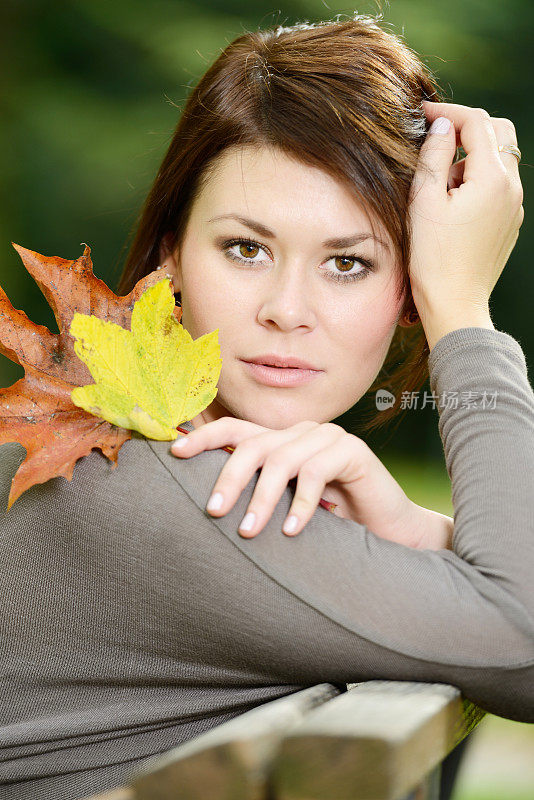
point(232, 760)
point(377, 741)
point(429, 788)
point(116, 794)
point(381, 740)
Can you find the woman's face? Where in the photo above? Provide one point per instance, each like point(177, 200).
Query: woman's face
point(283, 293)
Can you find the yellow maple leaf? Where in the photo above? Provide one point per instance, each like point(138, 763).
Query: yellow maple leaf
point(149, 379)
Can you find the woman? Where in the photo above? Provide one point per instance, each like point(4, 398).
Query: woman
point(146, 619)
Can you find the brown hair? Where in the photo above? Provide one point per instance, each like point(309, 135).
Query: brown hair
point(344, 96)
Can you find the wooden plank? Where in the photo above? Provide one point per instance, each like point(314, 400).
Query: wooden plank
point(377, 741)
point(122, 793)
point(429, 788)
point(232, 760)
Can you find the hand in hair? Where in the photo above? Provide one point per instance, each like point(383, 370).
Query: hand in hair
point(464, 218)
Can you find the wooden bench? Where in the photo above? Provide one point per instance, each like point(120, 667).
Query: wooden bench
point(380, 740)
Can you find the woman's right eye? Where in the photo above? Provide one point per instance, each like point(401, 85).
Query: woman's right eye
point(247, 250)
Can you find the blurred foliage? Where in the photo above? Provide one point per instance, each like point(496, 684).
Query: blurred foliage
point(93, 91)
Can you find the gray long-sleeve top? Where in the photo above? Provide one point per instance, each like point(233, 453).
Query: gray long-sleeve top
point(131, 620)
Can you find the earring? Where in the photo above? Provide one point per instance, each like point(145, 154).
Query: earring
point(411, 317)
point(178, 298)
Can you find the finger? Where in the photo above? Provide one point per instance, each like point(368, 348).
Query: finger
point(315, 474)
point(456, 174)
point(247, 458)
point(224, 431)
point(477, 136)
point(433, 164)
point(431, 114)
point(212, 435)
point(505, 134)
point(279, 468)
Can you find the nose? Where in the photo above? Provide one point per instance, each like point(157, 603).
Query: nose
point(286, 298)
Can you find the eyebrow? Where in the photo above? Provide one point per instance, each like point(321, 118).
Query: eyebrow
point(341, 242)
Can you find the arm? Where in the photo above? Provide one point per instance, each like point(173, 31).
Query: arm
point(141, 613)
point(430, 530)
point(440, 319)
point(436, 529)
point(344, 605)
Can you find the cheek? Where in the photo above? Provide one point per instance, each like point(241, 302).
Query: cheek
point(204, 308)
point(208, 303)
point(384, 308)
point(216, 299)
point(373, 317)
point(368, 331)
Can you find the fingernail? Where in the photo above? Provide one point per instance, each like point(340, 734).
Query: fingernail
point(215, 502)
point(247, 523)
point(179, 442)
point(440, 125)
point(290, 524)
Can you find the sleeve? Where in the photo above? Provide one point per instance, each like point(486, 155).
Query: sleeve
point(339, 604)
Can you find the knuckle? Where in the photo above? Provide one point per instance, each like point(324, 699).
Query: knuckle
point(429, 174)
point(228, 481)
point(261, 499)
point(513, 189)
point(361, 448)
point(332, 426)
point(302, 504)
point(517, 188)
point(277, 460)
point(223, 421)
point(508, 182)
point(500, 178)
point(505, 123)
point(248, 447)
point(311, 470)
point(306, 424)
point(303, 507)
point(482, 113)
point(357, 442)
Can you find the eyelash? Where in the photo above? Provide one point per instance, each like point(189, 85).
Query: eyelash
point(367, 266)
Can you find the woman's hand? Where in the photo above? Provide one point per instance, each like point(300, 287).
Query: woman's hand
point(462, 236)
point(329, 463)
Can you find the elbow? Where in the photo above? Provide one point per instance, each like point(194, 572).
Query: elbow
point(504, 684)
point(505, 691)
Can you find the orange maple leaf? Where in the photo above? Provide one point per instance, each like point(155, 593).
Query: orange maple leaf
point(37, 411)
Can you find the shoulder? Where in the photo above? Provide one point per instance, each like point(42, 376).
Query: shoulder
point(137, 480)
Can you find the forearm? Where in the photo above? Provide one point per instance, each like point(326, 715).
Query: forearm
point(436, 530)
point(440, 318)
point(419, 528)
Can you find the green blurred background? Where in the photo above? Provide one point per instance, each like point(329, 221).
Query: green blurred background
point(92, 92)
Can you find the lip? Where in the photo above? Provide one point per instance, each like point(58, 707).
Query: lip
point(272, 360)
point(280, 376)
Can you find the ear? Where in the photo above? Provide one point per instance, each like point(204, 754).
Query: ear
point(409, 319)
point(169, 262)
point(409, 315)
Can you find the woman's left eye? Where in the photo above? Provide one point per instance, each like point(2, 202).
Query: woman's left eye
point(248, 248)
